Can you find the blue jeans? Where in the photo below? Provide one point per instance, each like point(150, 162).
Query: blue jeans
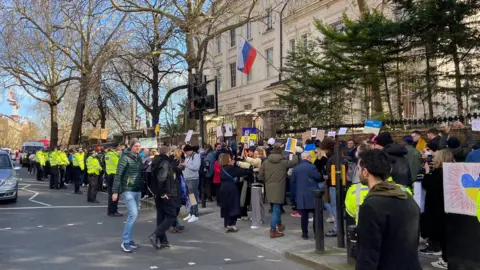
point(192, 185)
point(333, 203)
point(276, 216)
point(132, 201)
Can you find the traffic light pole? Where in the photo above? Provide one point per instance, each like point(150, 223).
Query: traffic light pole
point(201, 140)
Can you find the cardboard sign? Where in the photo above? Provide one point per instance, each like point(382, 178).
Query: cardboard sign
point(189, 136)
point(313, 132)
point(148, 143)
point(372, 126)
point(476, 124)
point(321, 134)
point(291, 145)
point(305, 136)
point(461, 186)
point(332, 134)
point(228, 130)
point(342, 131)
point(219, 132)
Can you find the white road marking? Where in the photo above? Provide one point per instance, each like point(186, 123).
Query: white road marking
point(149, 221)
point(34, 195)
point(227, 259)
point(70, 224)
point(191, 263)
point(8, 228)
point(39, 226)
point(56, 207)
point(259, 256)
point(153, 267)
point(99, 223)
point(270, 260)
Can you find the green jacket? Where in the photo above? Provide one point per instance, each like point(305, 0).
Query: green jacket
point(415, 161)
point(129, 174)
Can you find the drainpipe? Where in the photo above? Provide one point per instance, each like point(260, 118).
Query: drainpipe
point(281, 41)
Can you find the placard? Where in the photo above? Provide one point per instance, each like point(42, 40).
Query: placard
point(148, 143)
point(372, 126)
point(228, 130)
point(476, 124)
point(461, 186)
point(332, 134)
point(306, 136)
point(219, 132)
point(189, 136)
point(313, 132)
point(291, 145)
point(321, 134)
point(342, 131)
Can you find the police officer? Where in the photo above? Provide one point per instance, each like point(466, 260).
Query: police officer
point(111, 162)
point(40, 159)
point(63, 163)
point(54, 161)
point(78, 166)
point(93, 170)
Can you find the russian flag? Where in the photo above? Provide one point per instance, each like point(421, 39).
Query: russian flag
point(246, 56)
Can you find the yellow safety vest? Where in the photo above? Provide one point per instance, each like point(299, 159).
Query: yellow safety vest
point(40, 158)
point(75, 160)
point(81, 161)
point(52, 157)
point(93, 166)
point(355, 196)
point(111, 162)
point(63, 158)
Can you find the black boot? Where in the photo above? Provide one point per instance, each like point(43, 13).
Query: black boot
point(154, 241)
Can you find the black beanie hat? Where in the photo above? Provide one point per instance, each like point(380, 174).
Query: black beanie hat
point(383, 139)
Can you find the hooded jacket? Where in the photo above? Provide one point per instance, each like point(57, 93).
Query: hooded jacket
point(273, 173)
point(460, 153)
point(164, 176)
point(401, 172)
point(388, 230)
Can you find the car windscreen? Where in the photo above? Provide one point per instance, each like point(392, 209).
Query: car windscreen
point(31, 149)
point(5, 162)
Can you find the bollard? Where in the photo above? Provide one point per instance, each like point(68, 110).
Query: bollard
point(351, 242)
point(319, 234)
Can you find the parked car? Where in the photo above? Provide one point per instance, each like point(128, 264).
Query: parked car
point(8, 178)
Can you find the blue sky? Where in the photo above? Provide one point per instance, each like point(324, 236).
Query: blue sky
point(26, 106)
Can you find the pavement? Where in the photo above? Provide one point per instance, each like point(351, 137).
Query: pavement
point(56, 229)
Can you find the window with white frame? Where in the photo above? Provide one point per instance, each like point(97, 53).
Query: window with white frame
point(269, 19)
point(292, 44)
point(233, 38)
point(269, 55)
point(305, 40)
point(233, 75)
point(218, 41)
point(249, 30)
point(219, 79)
point(247, 106)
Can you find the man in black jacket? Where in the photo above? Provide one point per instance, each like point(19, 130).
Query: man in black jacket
point(388, 224)
point(166, 197)
point(397, 154)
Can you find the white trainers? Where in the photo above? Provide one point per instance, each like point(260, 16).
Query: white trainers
point(192, 219)
point(187, 217)
point(441, 264)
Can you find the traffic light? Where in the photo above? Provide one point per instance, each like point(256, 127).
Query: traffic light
point(198, 98)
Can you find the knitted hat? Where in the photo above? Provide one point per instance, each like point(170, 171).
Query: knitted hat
point(453, 143)
point(383, 139)
point(133, 141)
point(408, 139)
point(277, 149)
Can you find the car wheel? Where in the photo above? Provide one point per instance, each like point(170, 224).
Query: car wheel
point(15, 199)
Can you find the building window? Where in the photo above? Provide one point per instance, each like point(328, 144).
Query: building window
point(269, 21)
point(247, 106)
point(219, 79)
point(249, 30)
point(305, 40)
point(218, 41)
point(292, 44)
point(269, 54)
point(268, 103)
point(233, 74)
point(233, 38)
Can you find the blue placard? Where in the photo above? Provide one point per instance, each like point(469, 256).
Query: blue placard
point(373, 123)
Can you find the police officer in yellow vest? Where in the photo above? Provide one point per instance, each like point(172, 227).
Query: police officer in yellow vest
point(62, 166)
point(55, 161)
point(93, 169)
point(111, 162)
point(78, 167)
point(40, 159)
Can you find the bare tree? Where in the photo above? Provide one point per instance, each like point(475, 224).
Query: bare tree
point(32, 62)
point(95, 30)
point(197, 21)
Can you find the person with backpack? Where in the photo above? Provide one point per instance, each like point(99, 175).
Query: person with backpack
point(191, 174)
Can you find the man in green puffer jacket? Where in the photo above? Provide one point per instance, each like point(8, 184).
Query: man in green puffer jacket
point(128, 181)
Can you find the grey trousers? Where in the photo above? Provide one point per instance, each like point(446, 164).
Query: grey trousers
point(258, 212)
